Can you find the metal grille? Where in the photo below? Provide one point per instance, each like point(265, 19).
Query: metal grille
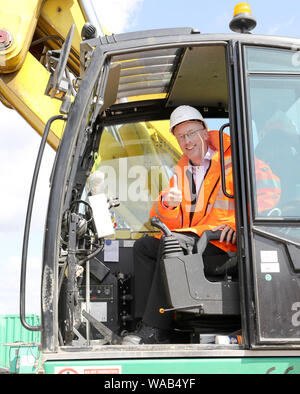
point(147, 72)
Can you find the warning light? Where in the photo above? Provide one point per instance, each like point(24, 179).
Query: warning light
point(242, 21)
point(242, 8)
point(161, 310)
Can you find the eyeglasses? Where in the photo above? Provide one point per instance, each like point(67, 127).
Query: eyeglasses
point(191, 135)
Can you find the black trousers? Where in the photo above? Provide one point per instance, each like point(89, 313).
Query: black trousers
point(150, 294)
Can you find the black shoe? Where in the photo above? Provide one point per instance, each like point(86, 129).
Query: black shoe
point(147, 335)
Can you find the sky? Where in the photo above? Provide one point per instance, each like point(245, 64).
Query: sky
point(19, 142)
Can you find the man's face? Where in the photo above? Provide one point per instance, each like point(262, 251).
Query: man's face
point(192, 139)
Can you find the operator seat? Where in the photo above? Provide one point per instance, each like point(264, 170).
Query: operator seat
point(187, 287)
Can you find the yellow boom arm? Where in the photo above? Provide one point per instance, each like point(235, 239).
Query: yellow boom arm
point(27, 27)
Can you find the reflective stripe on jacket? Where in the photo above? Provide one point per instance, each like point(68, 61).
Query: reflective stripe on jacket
point(268, 189)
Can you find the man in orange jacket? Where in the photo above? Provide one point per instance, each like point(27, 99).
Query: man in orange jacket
point(193, 203)
point(205, 207)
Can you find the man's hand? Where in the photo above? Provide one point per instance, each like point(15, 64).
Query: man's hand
point(174, 197)
point(227, 234)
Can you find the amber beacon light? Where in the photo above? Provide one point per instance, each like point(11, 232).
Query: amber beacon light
point(242, 21)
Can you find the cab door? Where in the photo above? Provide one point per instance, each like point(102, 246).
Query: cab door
point(267, 91)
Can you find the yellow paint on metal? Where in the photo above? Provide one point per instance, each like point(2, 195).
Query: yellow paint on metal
point(26, 94)
point(57, 16)
point(167, 141)
point(19, 18)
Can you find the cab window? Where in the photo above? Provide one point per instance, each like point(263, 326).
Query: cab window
point(135, 162)
point(273, 85)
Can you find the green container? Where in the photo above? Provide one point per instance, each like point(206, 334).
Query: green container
point(11, 331)
point(24, 357)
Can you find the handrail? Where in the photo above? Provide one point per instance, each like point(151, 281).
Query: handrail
point(28, 222)
point(222, 160)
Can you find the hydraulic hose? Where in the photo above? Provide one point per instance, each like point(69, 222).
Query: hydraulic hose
point(28, 223)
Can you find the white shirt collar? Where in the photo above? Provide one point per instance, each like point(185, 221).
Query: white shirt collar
point(208, 156)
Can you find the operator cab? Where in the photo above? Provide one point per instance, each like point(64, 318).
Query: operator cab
point(246, 86)
point(136, 159)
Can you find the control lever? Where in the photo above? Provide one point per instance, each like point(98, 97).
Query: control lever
point(206, 237)
point(156, 222)
point(170, 246)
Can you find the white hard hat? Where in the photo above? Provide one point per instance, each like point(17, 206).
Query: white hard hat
point(184, 113)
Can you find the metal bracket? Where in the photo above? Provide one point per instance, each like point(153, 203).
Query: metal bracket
point(108, 334)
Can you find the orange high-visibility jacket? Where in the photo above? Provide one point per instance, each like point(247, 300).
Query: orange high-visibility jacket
point(212, 207)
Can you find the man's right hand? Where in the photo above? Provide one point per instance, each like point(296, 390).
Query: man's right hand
point(174, 197)
point(227, 234)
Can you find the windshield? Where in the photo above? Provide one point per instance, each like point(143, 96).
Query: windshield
point(134, 163)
